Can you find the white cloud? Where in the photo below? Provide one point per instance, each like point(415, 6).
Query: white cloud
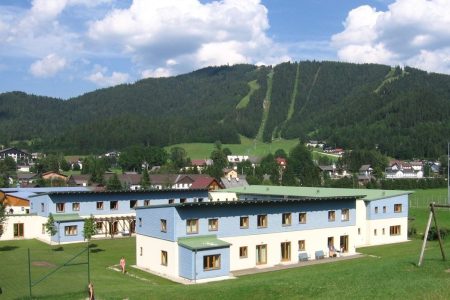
point(171, 36)
point(410, 32)
point(99, 77)
point(48, 66)
point(159, 72)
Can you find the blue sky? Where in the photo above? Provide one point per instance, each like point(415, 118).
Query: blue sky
point(64, 48)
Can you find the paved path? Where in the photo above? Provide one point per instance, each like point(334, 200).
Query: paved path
point(299, 264)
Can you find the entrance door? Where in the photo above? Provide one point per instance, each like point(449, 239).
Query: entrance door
point(133, 226)
point(344, 243)
point(113, 227)
point(286, 251)
point(330, 241)
point(261, 254)
point(18, 230)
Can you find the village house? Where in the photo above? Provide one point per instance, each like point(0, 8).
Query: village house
point(19, 156)
point(398, 169)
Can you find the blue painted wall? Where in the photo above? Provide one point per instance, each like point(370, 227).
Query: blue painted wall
point(60, 236)
point(88, 201)
point(224, 263)
point(186, 263)
point(151, 222)
point(229, 217)
point(389, 203)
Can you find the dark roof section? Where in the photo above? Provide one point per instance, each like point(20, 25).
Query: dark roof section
point(118, 192)
point(246, 202)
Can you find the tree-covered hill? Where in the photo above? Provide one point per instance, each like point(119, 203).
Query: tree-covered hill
point(403, 112)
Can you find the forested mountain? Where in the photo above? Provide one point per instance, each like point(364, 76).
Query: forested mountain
point(404, 112)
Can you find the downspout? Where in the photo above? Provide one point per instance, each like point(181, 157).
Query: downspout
point(195, 266)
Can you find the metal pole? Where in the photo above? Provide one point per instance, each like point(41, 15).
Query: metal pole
point(425, 237)
point(29, 272)
point(88, 263)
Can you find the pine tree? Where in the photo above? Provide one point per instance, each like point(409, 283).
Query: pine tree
point(50, 226)
point(2, 211)
point(89, 228)
point(113, 183)
point(145, 180)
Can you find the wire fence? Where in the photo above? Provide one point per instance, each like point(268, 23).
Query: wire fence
point(424, 201)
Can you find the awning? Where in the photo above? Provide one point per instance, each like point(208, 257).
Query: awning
point(202, 242)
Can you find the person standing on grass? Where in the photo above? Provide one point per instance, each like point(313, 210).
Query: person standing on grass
point(122, 264)
point(91, 291)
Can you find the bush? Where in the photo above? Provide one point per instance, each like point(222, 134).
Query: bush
point(433, 236)
point(412, 232)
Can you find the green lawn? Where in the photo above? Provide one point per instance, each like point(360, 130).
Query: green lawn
point(246, 147)
point(388, 272)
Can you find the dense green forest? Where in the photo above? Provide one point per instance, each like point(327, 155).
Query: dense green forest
point(403, 112)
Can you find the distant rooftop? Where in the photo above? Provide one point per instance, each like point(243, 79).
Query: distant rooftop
point(314, 192)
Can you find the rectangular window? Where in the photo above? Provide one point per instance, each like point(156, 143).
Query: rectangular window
point(99, 227)
point(99, 205)
point(133, 203)
point(375, 232)
point(345, 214)
point(182, 200)
point(140, 222)
point(163, 225)
point(359, 231)
point(114, 205)
point(211, 262)
point(302, 218)
point(76, 206)
point(243, 222)
point(301, 245)
point(384, 231)
point(59, 207)
point(18, 230)
point(70, 230)
point(171, 201)
point(261, 254)
point(395, 230)
point(213, 224)
point(331, 216)
point(164, 258)
point(43, 229)
point(141, 251)
point(286, 219)
point(286, 251)
point(146, 202)
point(384, 209)
point(42, 207)
point(243, 252)
point(262, 221)
point(192, 226)
point(376, 209)
point(397, 208)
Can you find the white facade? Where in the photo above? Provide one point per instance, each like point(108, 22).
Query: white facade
point(315, 240)
point(148, 254)
point(31, 228)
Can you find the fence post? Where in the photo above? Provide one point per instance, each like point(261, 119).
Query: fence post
point(29, 272)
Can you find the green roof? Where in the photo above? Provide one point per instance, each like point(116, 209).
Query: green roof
point(314, 192)
point(66, 217)
point(202, 242)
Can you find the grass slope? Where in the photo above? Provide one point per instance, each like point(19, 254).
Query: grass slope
point(259, 135)
point(244, 101)
point(246, 147)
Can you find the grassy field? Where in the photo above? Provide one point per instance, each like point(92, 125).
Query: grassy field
point(423, 198)
point(246, 147)
point(385, 272)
